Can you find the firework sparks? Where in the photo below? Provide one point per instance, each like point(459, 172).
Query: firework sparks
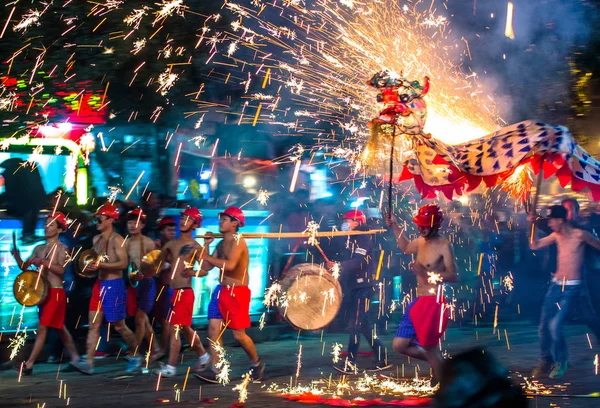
point(167, 8)
point(272, 295)
point(299, 363)
point(114, 192)
point(7, 99)
point(138, 45)
point(32, 17)
point(261, 322)
point(508, 282)
point(434, 278)
point(312, 229)
point(18, 341)
point(243, 388)
point(336, 350)
point(263, 197)
point(335, 270)
point(166, 80)
point(135, 18)
point(222, 365)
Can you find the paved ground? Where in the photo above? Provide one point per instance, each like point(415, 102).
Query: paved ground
point(108, 388)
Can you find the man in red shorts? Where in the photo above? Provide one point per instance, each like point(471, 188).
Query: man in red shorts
point(162, 305)
point(50, 258)
point(109, 294)
point(138, 245)
point(425, 319)
point(181, 254)
point(229, 306)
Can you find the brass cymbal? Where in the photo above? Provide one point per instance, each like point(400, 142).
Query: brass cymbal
point(132, 271)
point(86, 257)
point(30, 288)
point(151, 263)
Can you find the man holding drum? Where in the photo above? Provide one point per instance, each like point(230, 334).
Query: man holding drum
point(139, 245)
point(50, 258)
point(109, 294)
point(426, 317)
point(357, 273)
point(229, 306)
point(181, 254)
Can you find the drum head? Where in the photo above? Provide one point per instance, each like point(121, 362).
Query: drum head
point(312, 297)
point(30, 288)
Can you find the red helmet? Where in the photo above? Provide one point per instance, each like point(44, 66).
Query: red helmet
point(429, 215)
point(108, 210)
point(136, 214)
point(165, 221)
point(194, 214)
point(236, 213)
point(60, 218)
point(355, 215)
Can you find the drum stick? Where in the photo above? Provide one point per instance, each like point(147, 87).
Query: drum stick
point(270, 235)
point(322, 252)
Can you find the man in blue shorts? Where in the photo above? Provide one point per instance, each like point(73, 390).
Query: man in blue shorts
point(109, 295)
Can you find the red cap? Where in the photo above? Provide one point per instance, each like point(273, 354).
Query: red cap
point(429, 215)
point(164, 221)
point(60, 218)
point(137, 213)
point(236, 213)
point(194, 214)
point(108, 210)
point(356, 215)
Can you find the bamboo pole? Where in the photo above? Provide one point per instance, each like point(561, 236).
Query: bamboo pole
point(269, 235)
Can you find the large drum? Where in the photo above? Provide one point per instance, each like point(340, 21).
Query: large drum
point(30, 288)
point(311, 297)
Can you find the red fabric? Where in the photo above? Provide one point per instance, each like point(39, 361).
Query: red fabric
point(131, 301)
point(52, 311)
point(96, 301)
point(183, 307)
point(425, 315)
point(553, 164)
point(234, 304)
point(313, 399)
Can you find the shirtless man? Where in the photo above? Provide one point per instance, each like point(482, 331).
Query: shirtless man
point(50, 258)
point(419, 332)
point(166, 231)
point(181, 254)
point(564, 290)
point(109, 293)
point(139, 245)
point(162, 306)
point(229, 305)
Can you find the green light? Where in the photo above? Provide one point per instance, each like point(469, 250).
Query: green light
point(81, 186)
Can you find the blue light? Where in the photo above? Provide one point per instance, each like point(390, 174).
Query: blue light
point(205, 175)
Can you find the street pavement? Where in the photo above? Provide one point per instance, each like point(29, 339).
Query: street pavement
point(110, 388)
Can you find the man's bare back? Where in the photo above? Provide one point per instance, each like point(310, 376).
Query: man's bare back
point(180, 254)
point(238, 275)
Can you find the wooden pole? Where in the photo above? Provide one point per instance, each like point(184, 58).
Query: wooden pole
point(270, 235)
point(392, 166)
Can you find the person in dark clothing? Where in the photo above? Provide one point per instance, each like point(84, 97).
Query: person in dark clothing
point(357, 271)
point(24, 195)
point(475, 379)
